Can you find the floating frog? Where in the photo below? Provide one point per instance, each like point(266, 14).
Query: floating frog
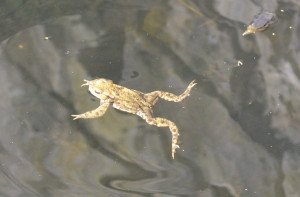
point(134, 102)
point(260, 23)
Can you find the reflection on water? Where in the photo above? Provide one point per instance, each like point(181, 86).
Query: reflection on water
point(239, 127)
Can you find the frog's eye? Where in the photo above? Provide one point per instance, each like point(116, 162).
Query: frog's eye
point(97, 91)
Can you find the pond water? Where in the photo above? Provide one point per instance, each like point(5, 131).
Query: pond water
point(239, 128)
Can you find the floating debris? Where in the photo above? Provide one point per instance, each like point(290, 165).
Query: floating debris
point(260, 23)
point(239, 63)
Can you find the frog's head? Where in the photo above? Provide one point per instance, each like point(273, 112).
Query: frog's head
point(98, 86)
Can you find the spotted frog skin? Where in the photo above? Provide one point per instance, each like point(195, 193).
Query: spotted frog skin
point(134, 102)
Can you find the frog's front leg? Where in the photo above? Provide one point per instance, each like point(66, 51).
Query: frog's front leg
point(169, 96)
point(100, 111)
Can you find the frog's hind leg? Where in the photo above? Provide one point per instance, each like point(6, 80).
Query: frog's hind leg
point(162, 122)
point(100, 111)
point(152, 98)
point(171, 97)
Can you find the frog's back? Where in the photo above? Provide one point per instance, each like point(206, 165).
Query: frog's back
point(123, 93)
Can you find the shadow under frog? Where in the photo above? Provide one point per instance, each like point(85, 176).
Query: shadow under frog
point(133, 101)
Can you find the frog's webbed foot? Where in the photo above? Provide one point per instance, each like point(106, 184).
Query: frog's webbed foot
point(100, 111)
point(174, 146)
point(188, 90)
point(192, 84)
point(77, 116)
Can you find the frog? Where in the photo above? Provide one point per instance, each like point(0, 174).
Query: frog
point(134, 102)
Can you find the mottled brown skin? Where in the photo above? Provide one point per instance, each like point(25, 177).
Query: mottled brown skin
point(133, 101)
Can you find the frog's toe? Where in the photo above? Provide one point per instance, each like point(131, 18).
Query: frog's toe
point(174, 147)
point(193, 83)
point(76, 117)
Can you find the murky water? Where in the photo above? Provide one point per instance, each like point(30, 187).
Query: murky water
point(239, 128)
